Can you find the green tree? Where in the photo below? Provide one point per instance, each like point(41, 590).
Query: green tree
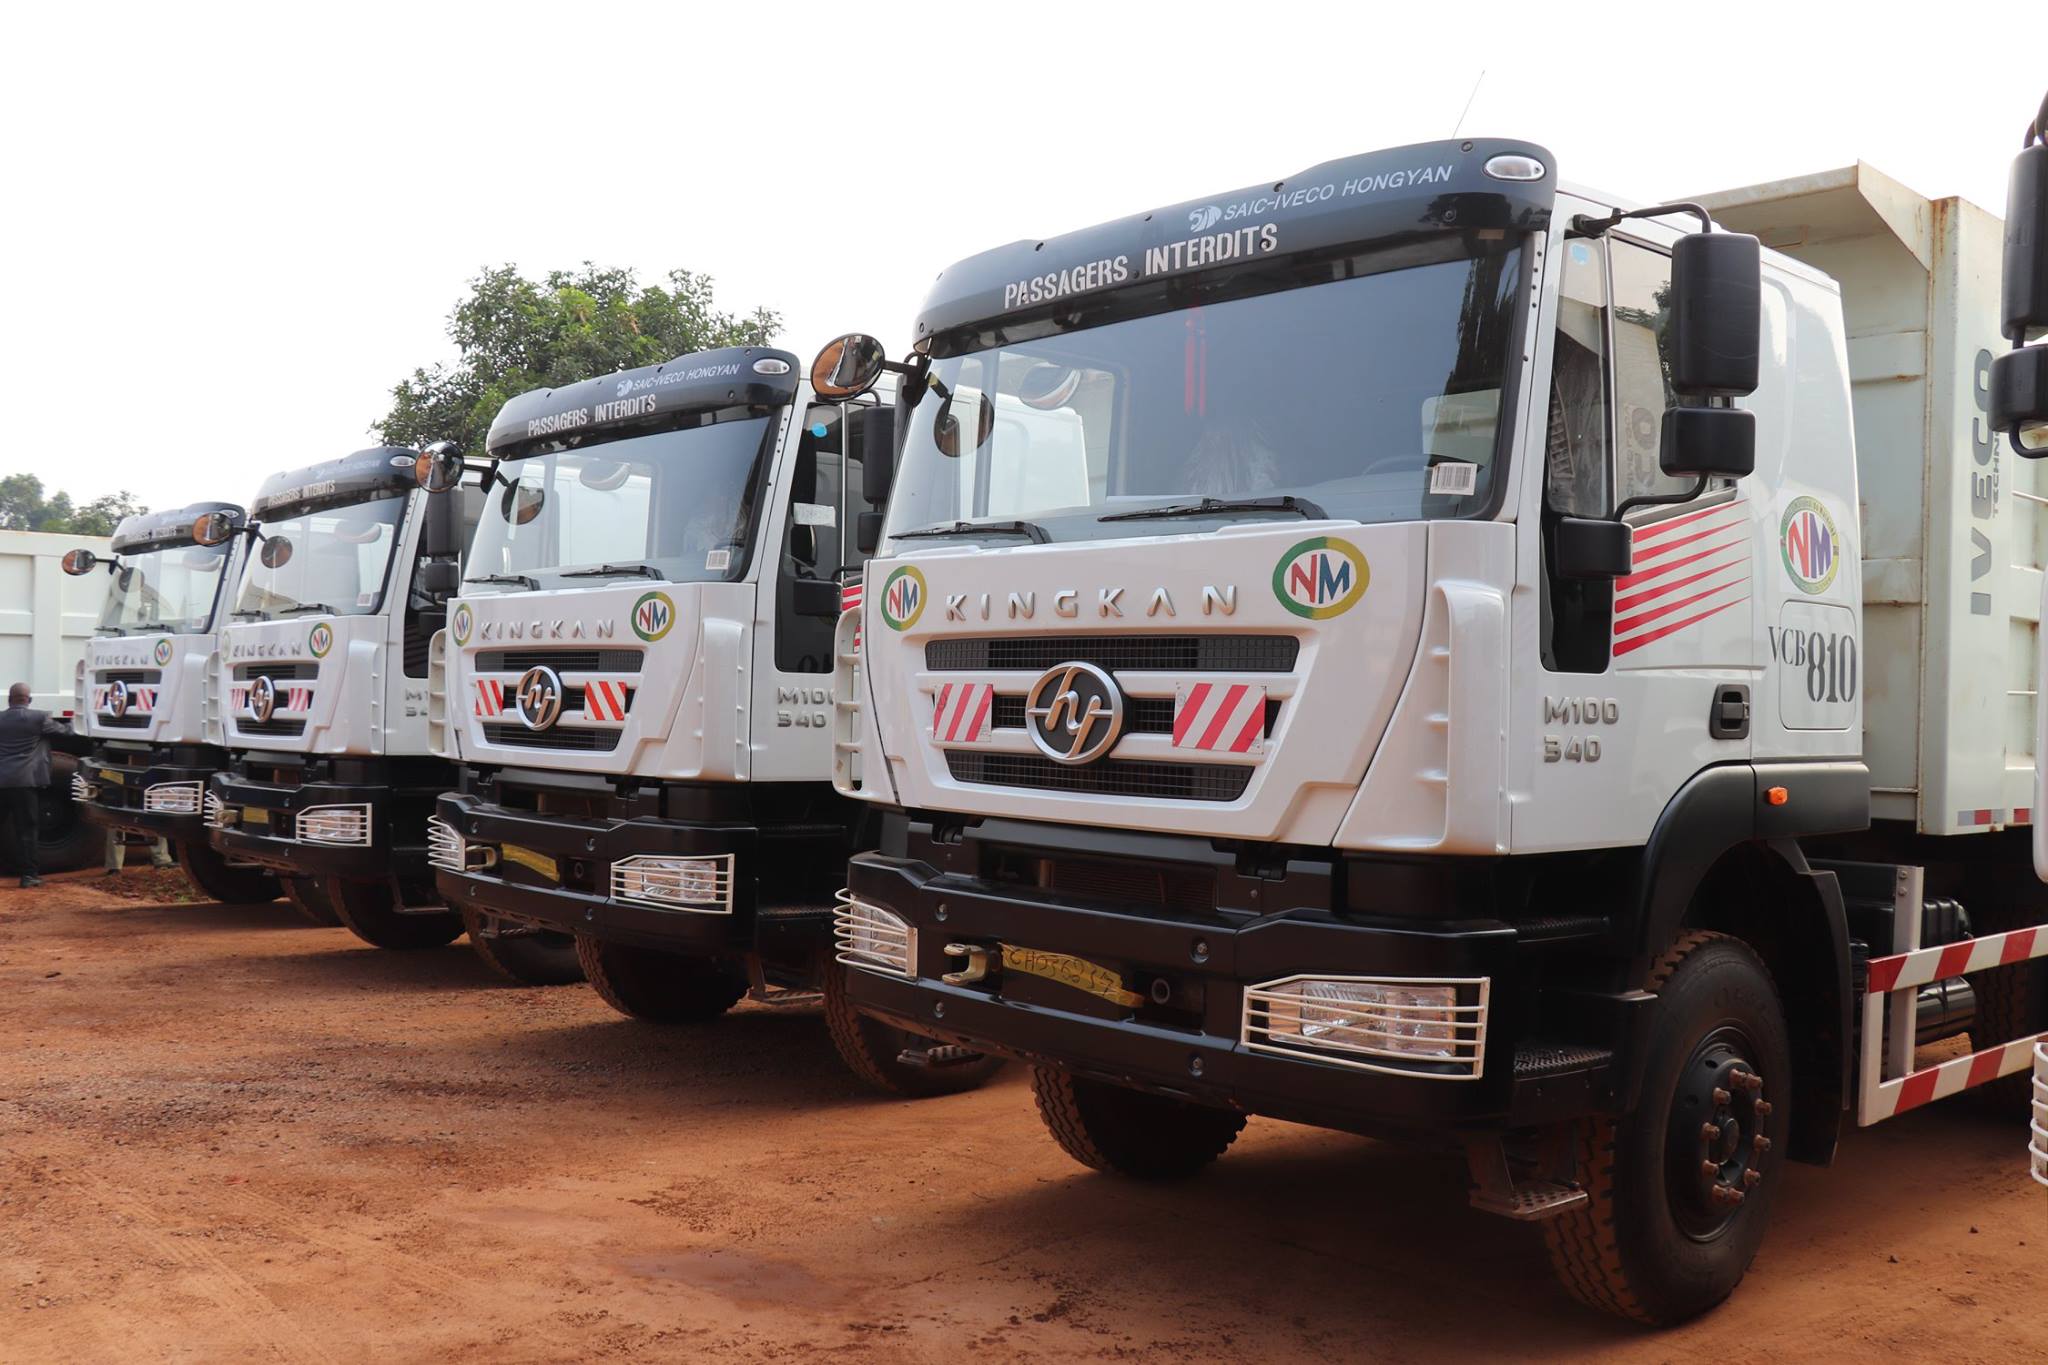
point(513, 334)
point(23, 507)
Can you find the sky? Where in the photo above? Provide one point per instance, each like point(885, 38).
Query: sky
point(233, 228)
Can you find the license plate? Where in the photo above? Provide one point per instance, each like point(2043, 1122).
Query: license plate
point(109, 775)
point(531, 861)
point(255, 815)
point(1076, 972)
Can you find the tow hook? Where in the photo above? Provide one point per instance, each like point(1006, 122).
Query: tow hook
point(976, 968)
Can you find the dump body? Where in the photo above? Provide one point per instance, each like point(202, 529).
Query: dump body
point(46, 624)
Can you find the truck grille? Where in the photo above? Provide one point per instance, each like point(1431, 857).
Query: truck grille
point(131, 676)
point(519, 737)
point(1161, 653)
point(131, 721)
point(561, 660)
point(1110, 777)
point(248, 725)
point(276, 672)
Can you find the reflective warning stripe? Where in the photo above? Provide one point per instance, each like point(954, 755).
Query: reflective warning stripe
point(1954, 959)
point(963, 713)
point(606, 699)
point(490, 697)
point(1220, 718)
point(1950, 1077)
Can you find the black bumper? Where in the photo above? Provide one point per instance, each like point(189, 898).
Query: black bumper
point(557, 875)
point(1192, 1043)
point(261, 820)
point(122, 779)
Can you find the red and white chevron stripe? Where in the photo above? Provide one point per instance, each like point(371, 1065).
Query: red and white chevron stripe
point(238, 696)
point(142, 699)
point(1923, 965)
point(298, 699)
point(99, 696)
point(850, 600)
point(490, 697)
point(1686, 569)
point(1951, 1077)
point(1220, 718)
point(1909, 972)
point(962, 713)
point(605, 699)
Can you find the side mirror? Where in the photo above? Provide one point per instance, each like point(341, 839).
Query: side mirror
point(441, 531)
point(848, 366)
point(2019, 379)
point(1707, 442)
point(867, 532)
point(439, 578)
point(438, 468)
point(1594, 547)
point(1717, 298)
point(78, 563)
point(214, 528)
point(874, 443)
point(814, 597)
point(2019, 400)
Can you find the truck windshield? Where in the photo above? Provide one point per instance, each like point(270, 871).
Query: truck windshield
point(171, 589)
point(678, 505)
point(332, 561)
point(1367, 389)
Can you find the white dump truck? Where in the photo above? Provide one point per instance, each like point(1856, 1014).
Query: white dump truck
point(636, 680)
point(319, 691)
point(1451, 656)
point(140, 690)
point(46, 621)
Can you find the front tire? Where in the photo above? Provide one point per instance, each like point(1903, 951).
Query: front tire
point(661, 988)
point(310, 899)
point(1130, 1132)
point(370, 911)
point(1680, 1191)
point(541, 958)
point(872, 1050)
point(207, 869)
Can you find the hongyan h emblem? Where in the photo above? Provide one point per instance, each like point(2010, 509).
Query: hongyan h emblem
point(320, 639)
point(262, 698)
point(117, 699)
point(1321, 577)
point(1810, 544)
point(463, 623)
point(1075, 713)
point(653, 615)
point(539, 697)
point(903, 598)
point(162, 652)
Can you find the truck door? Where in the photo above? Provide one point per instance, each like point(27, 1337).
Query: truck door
point(799, 606)
point(1630, 670)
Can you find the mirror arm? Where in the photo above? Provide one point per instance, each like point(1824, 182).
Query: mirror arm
point(1583, 226)
point(1658, 499)
point(914, 369)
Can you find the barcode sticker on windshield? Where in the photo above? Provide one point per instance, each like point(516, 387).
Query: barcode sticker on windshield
point(717, 560)
point(1455, 479)
point(816, 514)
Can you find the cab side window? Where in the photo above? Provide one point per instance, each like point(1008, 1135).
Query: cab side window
point(1577, 479)
point(812, 549)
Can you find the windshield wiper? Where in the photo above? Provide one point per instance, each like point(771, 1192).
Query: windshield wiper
point(519, 579)
point(1286, 502)
point(609, 570)
point(253, 613)
point(1030, 530)
point(304, 607)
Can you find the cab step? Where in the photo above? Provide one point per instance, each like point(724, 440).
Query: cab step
point(946, 1054)
point(1531, 1202)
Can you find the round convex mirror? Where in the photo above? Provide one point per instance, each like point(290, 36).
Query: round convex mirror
point(848, 366)
point(276, 552)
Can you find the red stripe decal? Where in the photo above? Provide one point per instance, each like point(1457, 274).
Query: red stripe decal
point(1652, 594)
point(1636, 642)
point(1215, 730)
point(1660, 528)
point(1916, 1090)
point(1645, 575)
point(988, 695)
point(1655, 551)
point(2019, 946)
point(1188, 708)
point(1884, 973)
point(1953, 960)
point(1984, 1065)
point(1629, 623)
point(1254, 726)
point(939, 709)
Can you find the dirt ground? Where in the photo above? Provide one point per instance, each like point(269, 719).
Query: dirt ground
point(228, 1135)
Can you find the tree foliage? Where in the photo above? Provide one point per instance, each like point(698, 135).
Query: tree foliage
point(23, 507)
point(513, 334)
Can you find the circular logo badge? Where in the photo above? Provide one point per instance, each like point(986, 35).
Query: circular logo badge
point(262, 698)
point(539, 697)
point(117, 699)
point(903, 598)
point(320, 639)
point(1321, 577)
point(1075, 713)
point(162, 652)
point(653, 614)
point(1810, 544)
point(463, 623)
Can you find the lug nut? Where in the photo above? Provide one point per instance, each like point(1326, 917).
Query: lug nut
point(1761, 1143)
point(1763, 1109)
point(1727, 1194)
point(1710, 1169)
point(1710, 1132)
point(1750, 1178)
point(1721, 1096)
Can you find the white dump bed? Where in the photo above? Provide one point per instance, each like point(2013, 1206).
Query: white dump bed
point(46, 616)
point(1951, 520)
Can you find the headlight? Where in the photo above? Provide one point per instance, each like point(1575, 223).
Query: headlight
point(679, 883)
point(871, 937)
point(334, 825)
point(1440, 1024)
point(173, 798)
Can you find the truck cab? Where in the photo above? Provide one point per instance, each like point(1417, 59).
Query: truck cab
point(319, 692)
point(1394, 648)
point(141, 689)
point(636, 681)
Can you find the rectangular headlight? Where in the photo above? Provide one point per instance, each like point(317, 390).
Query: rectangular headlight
point(172, 798)
point(675, 882)
point(1373, 1023)
point(334, 825)
point(871, 937)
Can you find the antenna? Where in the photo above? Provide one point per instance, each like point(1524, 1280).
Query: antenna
point(1468, 102)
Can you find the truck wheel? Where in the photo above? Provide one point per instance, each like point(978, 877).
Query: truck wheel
point(65, 841)
point(206, 869)
point(370, 911)
point(310, 900)
point(661, 988)
point(543, 958)
point(873, 1050)
point(1679, 1192)
point(1128, 1132)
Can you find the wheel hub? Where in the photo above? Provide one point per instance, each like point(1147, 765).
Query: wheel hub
point(1716, 1144)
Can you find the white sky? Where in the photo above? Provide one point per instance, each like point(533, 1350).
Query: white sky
point(233, 229)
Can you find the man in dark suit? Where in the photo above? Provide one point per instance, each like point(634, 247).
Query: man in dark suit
point(24, 771)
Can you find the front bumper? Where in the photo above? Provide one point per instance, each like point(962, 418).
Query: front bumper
point(565, 874)
point(158, 792)
point(1189, 1033)
point(370, 829)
